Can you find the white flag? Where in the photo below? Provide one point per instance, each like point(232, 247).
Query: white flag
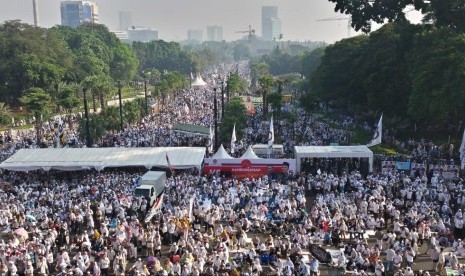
point(186, 108)
point(271, 136)
point(210, 140)
point(60, 132)
point(378, 133)
point(191, 208)
point(192, 77)
point(462, 151)
point(233, 139)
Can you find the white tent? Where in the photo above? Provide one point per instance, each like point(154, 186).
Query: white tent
point(249, 154)
point(198, 82)
point(333, 152)
point(221, 154)
point(72, 159)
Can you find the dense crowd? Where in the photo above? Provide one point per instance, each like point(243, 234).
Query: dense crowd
point(90, 223)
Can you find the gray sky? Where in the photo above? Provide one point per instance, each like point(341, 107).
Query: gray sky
point(173, 18)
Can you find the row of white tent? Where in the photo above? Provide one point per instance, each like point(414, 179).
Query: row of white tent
point(161, 157)
point(223, 154)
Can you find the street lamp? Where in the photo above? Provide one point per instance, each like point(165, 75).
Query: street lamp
point(215, 118)
point(86, 114)
point(222, 98)
point(120, 107)
point(145, 95)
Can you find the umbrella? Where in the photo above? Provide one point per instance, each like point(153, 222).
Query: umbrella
point(31, 218)
point(22, 232)
point(151, 259)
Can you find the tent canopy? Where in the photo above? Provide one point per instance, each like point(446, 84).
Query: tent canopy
point(198, 81)
point(221, 154)
point(186, 128)
point(250, 154)
point(72, 159)
point(333, 152)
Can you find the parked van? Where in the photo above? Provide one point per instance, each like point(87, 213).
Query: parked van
point(151, 185)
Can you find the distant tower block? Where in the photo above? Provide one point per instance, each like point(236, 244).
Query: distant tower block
point(35, 7)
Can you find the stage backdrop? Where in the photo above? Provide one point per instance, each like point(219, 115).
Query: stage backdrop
point(242, 168)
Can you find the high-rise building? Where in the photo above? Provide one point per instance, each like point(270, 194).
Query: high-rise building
point(74, 13)
point(271, 24)
point(196, 35)
point(125, 20)
point(35, 9)
point(142, 34)
point(214, 33)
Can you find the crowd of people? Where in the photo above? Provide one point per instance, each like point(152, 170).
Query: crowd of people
point(90, 223)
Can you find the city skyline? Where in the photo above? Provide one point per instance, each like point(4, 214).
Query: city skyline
point(298, 18)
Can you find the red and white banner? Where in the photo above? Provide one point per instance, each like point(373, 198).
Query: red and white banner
point(242, 168)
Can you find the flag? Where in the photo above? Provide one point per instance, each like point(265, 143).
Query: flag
point(169, 163)
point(155, 207)
point(378, 133)
point(191, 208)
point(192, 77)
point(124, 201)
point(210, 140)
point(271, 136)
point(318, 172)
point(462, 151)
point(60, 132)
point(186, 108)
point(233, 139)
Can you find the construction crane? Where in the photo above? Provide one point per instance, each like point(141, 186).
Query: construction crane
point(250, 32)
point(349, 22)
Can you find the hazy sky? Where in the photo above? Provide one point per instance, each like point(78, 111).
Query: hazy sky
point(172, 18)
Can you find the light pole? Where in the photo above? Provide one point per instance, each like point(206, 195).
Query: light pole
point(86, 114)
point(120, 106)
point(215, 118)
point(145, 94)
point(222, 99)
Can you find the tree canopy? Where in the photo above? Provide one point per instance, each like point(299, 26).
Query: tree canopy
point(441, 13)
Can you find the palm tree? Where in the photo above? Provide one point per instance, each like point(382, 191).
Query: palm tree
point(266, 82)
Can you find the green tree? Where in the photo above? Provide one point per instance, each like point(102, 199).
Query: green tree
point(5, 114)
point(276, 101)
point(236, 84)
point(111, 118)
point(442, 13)
point(438, 77)
point(163, 56)
point(266, 83)
point(310, 62)
point(30, 57)
point(339, 78)
point(97, 127)
point(235, 113)
point(258, 70)
point(38, 104)
point(67, 99)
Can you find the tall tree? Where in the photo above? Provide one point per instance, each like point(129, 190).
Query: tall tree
point(38, 103)
point(235, 113)
point(266, 83)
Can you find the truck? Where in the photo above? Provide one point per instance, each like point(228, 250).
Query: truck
point(151, 185)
